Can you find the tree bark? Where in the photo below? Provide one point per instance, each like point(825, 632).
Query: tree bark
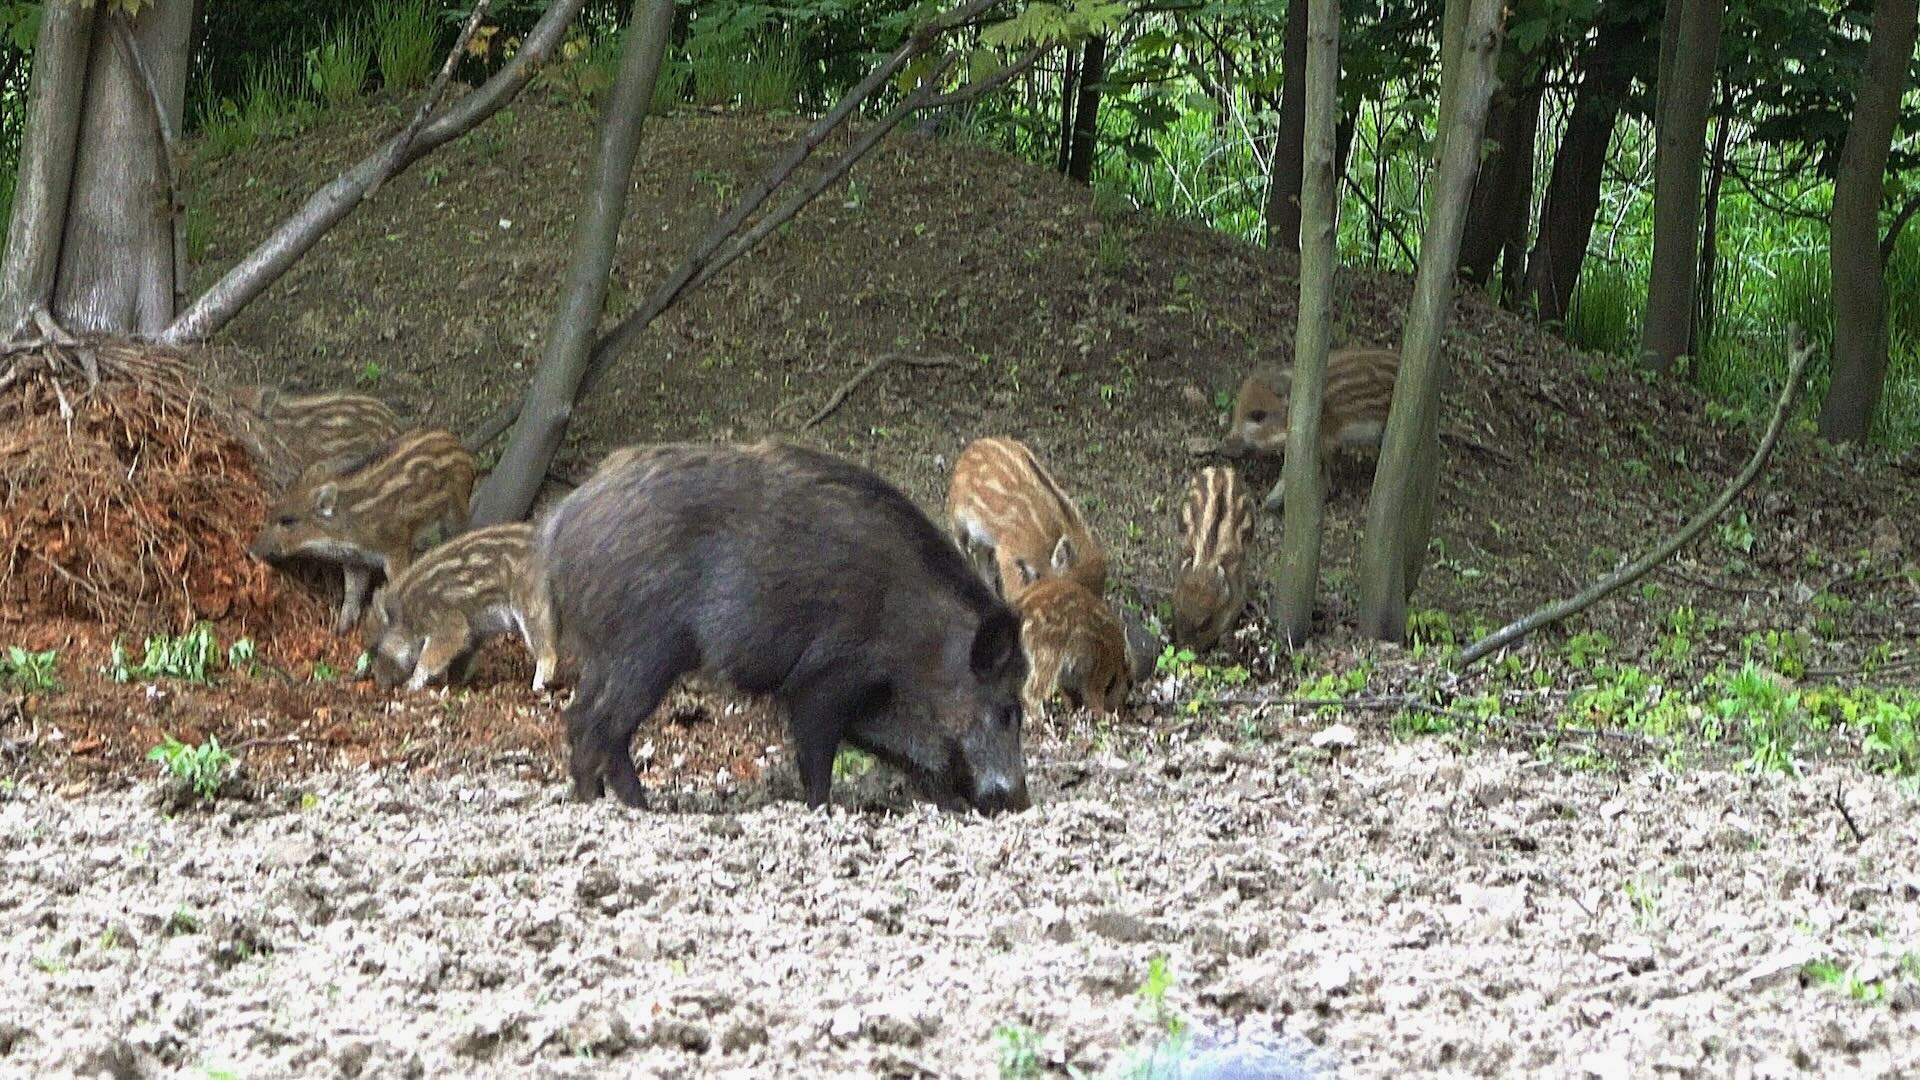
point(45, 177)
point(1319, 205)
point(1579, 164)
point(116, 272)
point(1860, 335)
point(1069, 85)
point(510, 489)
point(1692, 48)
point(1289, 140)
point(1503, 196)
point(328, 206)
point(1400, 507)
point(1086, 111)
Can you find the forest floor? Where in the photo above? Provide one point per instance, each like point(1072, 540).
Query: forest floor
point(1674, 835)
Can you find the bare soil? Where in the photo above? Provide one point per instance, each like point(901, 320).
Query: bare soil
point(398, 887)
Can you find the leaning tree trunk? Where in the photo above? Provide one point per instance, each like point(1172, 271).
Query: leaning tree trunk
point(510, 490)
point(1319, 207)
point(1579, 164)
point(1400, 507)
point(1283, 191)
point(45, 176)
point(1686, 92)
point(1708, 307)
point(1860, 308)
point(1086, 112)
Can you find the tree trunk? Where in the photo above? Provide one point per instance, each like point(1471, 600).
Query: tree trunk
point(1400, 507)
point(1283, 192)
point(1703, 318)
point(1319, 205)
point(1573, 187)
point(1069, 86)
point(1086, 112)
point(509, 491)
point(1692, 47)
point(116, 270)
point(45, 176)
point(1860, 308)
point(1503, 196)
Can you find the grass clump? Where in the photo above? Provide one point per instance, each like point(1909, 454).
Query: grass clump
point(190, 657)
point(337, 67)
point(404, 36)
point(202, 768)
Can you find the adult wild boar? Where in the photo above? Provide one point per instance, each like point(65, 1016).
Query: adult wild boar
point(783, 570)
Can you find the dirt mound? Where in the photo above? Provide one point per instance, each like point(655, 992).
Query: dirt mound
point(131, 499)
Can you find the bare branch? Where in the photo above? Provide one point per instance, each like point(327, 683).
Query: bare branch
point(975, 90)
point(873, 367)
point(432, 100)
point(1798, 351)
point(326, 207)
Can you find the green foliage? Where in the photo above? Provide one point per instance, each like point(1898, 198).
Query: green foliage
point(337, 67)
point(1887, 724)
point(1200, 681)
point(1018, 1051)
point(31, 672)
point(1758, 704)
point(404, 37)
point(1053, 24)
point(1609, 308)
point(202, 767)
point(851, 764)
point(191, 657)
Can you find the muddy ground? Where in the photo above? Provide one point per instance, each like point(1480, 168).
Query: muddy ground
point(1386, 908)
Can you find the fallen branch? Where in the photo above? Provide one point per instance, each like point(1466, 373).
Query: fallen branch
point(873, 367)
point(1798, 351)
point(328, 206)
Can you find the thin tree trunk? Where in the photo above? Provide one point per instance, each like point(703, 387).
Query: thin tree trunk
point(1069, 87)
point(1086, 112)
point(1860, 307)
point(1319, 205)
point(327, 207)
point(45, 176)
point(1400, 507)
point(1685, 93)
point(1283, 191)
point(1710, 247)
point(509, 491)
point(1573, 186)
point(116, 272)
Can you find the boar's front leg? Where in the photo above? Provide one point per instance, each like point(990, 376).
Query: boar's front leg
point(633, 691)
point(585, 759)
point(358, 582)
point(823, 713)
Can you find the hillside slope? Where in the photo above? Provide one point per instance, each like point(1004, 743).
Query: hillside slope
point(1107, 338)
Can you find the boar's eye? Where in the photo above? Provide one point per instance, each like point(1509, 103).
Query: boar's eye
point(1258, 416)
point(1007, 717)
point(287, 521)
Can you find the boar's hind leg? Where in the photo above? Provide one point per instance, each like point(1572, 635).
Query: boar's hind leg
point(823, 714)
point(586, 759)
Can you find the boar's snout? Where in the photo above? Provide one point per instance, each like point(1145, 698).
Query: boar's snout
point(995, 763)
point(998, 794)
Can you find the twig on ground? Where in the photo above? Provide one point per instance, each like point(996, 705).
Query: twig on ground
point(1413, 703)
point(1714, 585)
point(873, 367)
point(1798, 352)
point(1892, 664)
point(1840, 804)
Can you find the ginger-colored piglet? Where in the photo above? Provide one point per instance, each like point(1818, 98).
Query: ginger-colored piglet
point(1075, 646)
point(367, 514)
point(1016, 523)
point(1353, 409)
point(1216, 525)
point(431, 619)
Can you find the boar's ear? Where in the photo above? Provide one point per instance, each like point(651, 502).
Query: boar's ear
point(1063, 555)
point(995, 644)
point(325, 497)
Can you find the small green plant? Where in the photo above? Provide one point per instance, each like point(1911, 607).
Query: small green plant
point(1018, 1051)
point(191, 657)
point(337, 67)
point(404, 36)
point(1645, 899)
point(240, 656)
point(202, 767)
point(370, 374)
point(30, 672)
point(1737, 534)
point(1764, 711)
point(324, 672)
point(851, 764)
point(1585, 649)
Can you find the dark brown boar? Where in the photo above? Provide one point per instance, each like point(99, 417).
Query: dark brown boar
point(785, 571)
point(367, 514)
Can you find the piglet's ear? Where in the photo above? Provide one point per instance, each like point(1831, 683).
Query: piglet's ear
point(325, 498)
point(996, 644)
